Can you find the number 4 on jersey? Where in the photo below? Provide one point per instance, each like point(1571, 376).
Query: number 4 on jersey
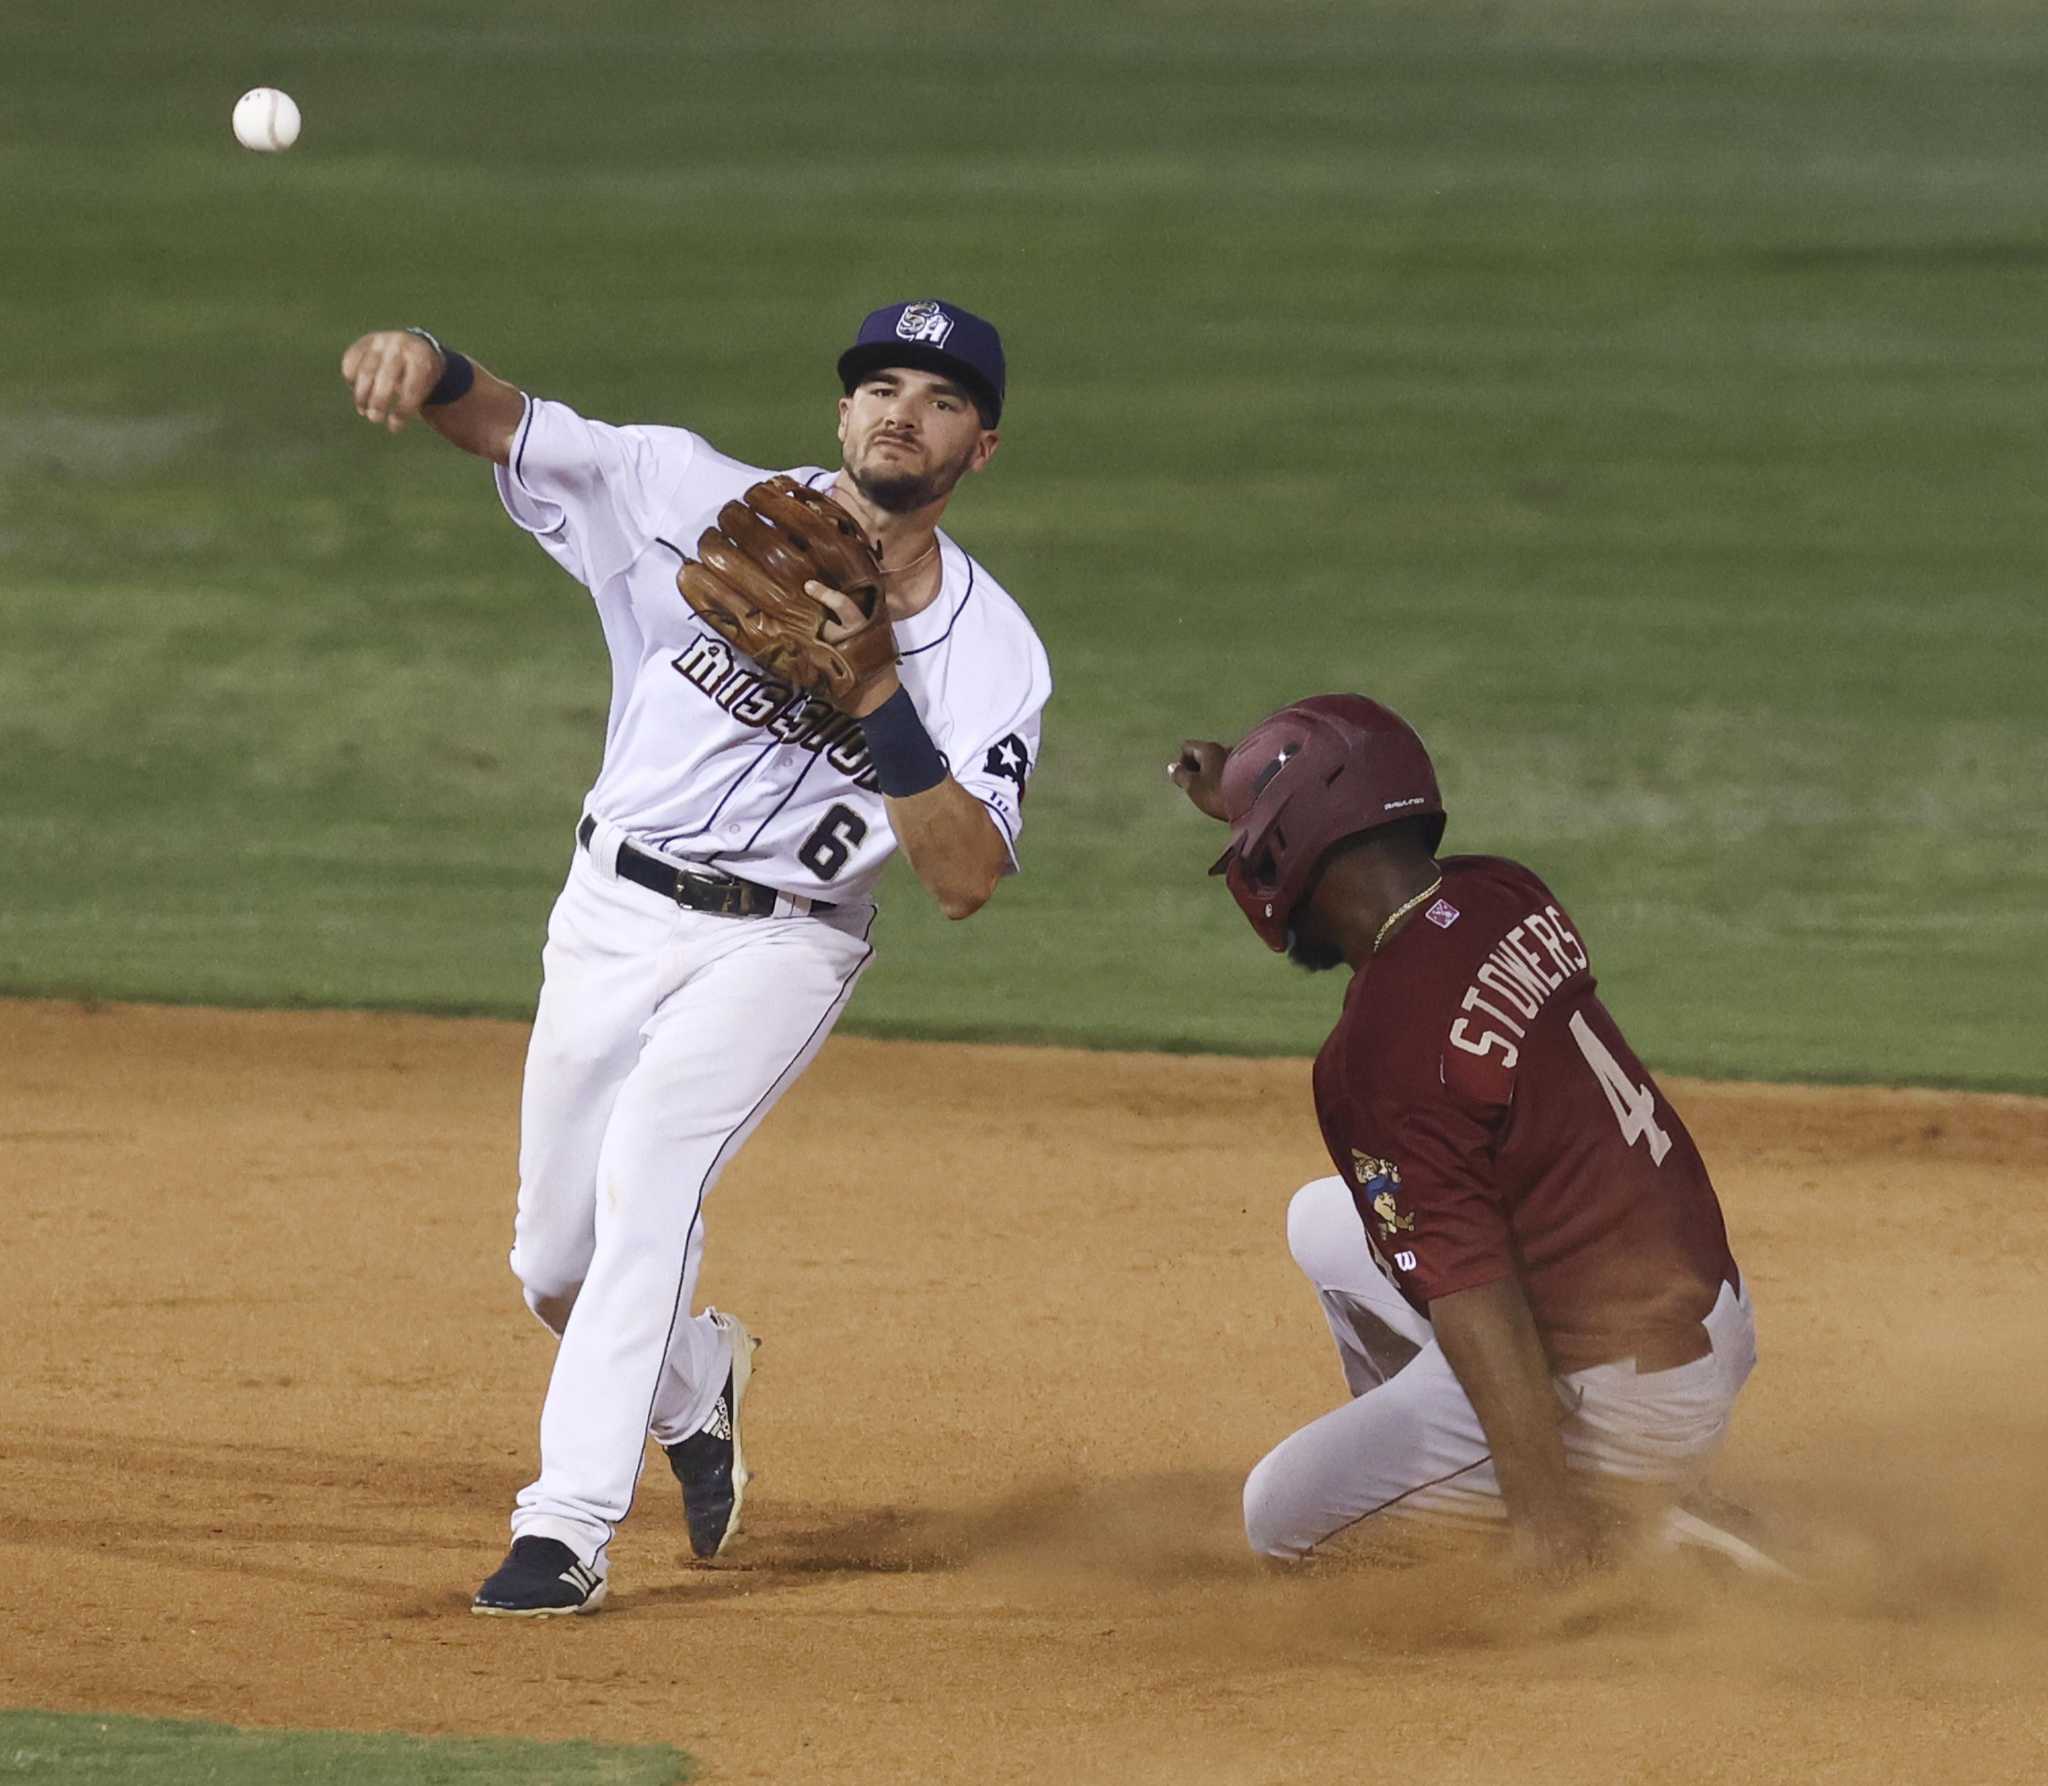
point(1635, 1106)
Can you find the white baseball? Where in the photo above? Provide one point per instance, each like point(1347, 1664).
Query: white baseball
point(266, 119)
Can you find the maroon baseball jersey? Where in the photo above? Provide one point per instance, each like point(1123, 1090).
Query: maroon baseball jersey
point(1490, 1120)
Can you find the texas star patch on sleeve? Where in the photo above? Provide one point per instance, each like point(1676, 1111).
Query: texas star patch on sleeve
point(1009, 759)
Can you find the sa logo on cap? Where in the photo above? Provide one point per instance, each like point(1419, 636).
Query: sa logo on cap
point(924, 322)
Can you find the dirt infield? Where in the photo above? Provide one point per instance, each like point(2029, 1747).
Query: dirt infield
point(1028, 1318)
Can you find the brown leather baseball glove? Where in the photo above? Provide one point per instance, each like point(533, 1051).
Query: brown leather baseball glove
point(748, 578)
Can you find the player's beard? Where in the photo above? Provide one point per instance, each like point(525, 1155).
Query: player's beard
point(1311, 954)
point(905, 492)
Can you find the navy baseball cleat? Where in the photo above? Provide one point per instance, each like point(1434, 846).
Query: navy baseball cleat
point(540, 1578)
point(710, 1463)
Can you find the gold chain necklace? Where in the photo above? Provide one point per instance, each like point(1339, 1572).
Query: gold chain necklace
point(921, 558)
point(1401, 911)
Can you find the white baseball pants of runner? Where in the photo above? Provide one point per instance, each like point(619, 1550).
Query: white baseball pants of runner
point(1409, 1442)
point(662, 1038)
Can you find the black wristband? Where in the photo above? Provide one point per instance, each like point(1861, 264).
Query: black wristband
point(906, 760)
point(457, 374)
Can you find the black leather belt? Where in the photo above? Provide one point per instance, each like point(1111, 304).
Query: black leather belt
point(725, 895)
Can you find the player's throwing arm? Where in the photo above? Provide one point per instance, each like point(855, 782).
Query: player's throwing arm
point(400, 375)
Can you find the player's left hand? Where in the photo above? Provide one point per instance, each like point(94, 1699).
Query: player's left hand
point(1198, 773)
point(848, 620)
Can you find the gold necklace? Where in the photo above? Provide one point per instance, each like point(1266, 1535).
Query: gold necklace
point(1401, 911)
point(915, 562)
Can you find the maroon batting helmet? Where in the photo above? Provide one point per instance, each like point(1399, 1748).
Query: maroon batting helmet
point(1301, 782)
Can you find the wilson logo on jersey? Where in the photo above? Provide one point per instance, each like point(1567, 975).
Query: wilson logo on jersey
point(711, 666)
point(924, 322)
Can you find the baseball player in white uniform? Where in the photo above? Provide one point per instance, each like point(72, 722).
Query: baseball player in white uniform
point(719, 902)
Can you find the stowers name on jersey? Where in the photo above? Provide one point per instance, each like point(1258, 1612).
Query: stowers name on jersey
point(1519, 977)
point(756, 699)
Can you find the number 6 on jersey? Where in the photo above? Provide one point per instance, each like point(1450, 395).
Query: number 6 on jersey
point(1635, 1106)
point(827, 848)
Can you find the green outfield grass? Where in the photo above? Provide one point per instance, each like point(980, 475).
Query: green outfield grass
point(39, 1747)
point(1648, 400)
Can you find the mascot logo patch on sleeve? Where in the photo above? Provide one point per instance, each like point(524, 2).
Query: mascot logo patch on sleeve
point(1381, 1181)
point(924, 322)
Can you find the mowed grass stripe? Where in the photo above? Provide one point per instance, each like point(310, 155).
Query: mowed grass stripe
point(81, 1750)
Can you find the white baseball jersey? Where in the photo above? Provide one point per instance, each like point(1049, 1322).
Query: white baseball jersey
point(708, 760)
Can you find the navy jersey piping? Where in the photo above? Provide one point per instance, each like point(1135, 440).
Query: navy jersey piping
point(811, 762)
point(711, 823)
point(953, 619)
point(519, 468)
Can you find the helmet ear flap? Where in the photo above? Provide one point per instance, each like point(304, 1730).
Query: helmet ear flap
point(1260, 870)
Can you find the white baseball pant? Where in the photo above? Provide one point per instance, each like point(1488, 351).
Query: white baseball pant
point(1409, 1442)
point(662, 1038)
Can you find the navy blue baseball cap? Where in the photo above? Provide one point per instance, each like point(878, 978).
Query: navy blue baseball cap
point(932, 336)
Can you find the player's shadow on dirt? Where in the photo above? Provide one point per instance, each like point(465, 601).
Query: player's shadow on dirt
point(1169, 1527)
point(1168, 1548)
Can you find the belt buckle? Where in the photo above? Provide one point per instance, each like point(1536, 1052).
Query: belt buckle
point(711, 893)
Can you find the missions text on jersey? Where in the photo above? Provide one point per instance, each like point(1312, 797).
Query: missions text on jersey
point(741, 688)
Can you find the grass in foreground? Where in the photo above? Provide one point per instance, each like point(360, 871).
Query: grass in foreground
point(82, 1750)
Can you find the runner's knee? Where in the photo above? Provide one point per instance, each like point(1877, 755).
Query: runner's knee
point(1324, 1233)
point(1271, 1523)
